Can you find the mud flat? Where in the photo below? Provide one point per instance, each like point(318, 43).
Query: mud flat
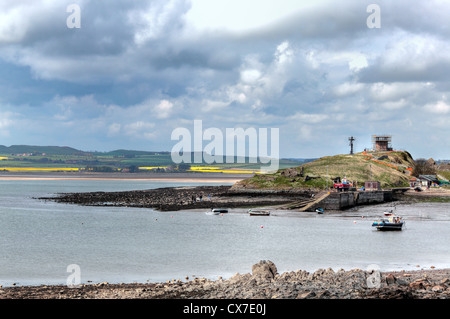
point(264, 282)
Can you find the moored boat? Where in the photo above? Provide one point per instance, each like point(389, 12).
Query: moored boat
point(392, 222)
point(217, 211)
point(319, 210)
point(258, 212)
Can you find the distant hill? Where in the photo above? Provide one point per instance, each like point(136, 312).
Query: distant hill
point(391, 169)
point(65, 150)
point(63, 156)
point(123, 152)
point(49, 150)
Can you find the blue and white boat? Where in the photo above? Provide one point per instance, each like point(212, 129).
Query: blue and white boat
point(389, 222)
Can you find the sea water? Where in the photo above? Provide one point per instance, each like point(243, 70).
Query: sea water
point(40, 239)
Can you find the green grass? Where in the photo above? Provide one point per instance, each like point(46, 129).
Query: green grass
point(445, 174)
point(355, 167)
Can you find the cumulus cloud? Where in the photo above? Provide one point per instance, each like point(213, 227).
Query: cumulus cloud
point(440, 107)
point(136, 70)
point(410, 58)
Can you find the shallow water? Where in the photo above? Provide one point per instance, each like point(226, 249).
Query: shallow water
point(40, 239)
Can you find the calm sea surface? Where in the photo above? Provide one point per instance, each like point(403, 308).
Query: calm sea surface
point(40, 239)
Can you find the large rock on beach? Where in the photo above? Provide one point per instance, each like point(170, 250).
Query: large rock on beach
point(264, 270)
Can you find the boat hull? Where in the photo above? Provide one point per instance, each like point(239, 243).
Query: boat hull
point(259, 213)
point(217, 211)
point(388, 226)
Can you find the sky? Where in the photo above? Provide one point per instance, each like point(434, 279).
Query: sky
point(134, 71)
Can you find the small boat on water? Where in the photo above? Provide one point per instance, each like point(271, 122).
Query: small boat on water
point(258, 212)
point(319, 210)
point(390, 222)
point(217, 211)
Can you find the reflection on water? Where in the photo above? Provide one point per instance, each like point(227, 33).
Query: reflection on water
point(40, 239)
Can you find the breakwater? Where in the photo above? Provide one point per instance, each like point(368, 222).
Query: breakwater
point(345, 200)
point(182, 198)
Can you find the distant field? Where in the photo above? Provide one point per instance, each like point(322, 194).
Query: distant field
point(48, 159)
point(39, 169)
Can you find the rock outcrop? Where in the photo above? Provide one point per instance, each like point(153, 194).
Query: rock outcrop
point(182, 198)
point(264, 270)
point(264, 283)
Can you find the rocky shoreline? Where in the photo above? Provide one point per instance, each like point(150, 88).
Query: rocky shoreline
point(264, 282)
point(182, 198)
point(207, 197)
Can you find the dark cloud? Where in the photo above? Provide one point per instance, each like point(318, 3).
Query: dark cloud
point(136, 70)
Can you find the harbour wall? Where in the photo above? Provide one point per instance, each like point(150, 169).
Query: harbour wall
point(345, 200)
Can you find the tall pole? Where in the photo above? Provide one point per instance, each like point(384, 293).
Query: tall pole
point(351, 139)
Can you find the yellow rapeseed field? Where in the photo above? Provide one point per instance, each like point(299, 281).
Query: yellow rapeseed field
point(222, 170)
point(206, 169)
point(39, 169)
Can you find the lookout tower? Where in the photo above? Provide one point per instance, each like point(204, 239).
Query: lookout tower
point(382, 143)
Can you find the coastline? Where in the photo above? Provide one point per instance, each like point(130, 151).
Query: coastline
point(321, 284)
point(185, 198)
point(264, 282)
point(228, 194)
point(169, 177)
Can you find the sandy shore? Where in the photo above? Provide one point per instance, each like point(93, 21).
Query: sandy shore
point(164, 177)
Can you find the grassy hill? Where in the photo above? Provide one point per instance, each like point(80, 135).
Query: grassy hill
point(391, 169)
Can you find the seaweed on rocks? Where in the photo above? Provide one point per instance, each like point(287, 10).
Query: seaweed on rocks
point(181, 198)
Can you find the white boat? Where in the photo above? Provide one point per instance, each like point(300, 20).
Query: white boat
point(218, 211)
point(259, 212)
